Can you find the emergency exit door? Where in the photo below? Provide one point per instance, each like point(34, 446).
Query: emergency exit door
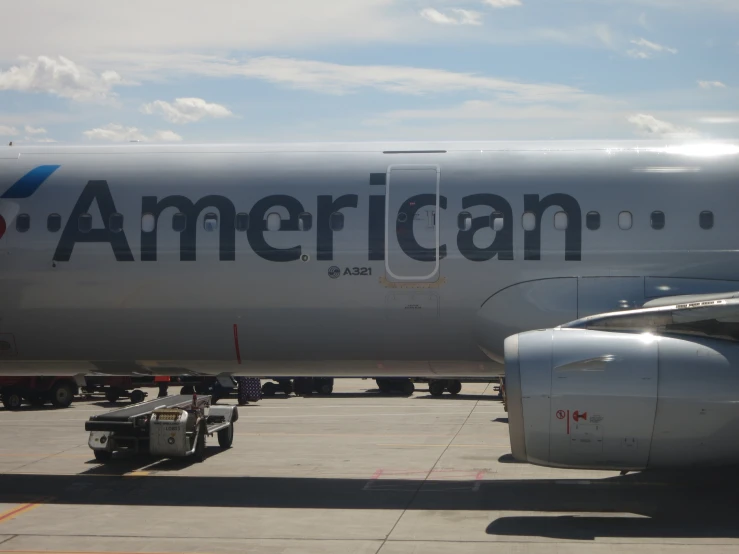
point(412, 222)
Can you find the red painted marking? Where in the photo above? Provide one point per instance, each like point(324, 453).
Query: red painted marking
point(577, 416)
point(15, 512)
point(480, 475)
point(236, 342)
point(568, 422)
point(376, 474)
point(560, 414)
point(2, 226)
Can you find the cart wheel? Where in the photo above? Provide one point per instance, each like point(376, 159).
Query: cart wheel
point(454, 386)
point(187, 389)
point(200, 446)
point(112, 395)
point(269, 389)
point(62, 395)
point(103, 455)
point(408, 387)
point(12, 400)
point(226, 436)
point(436, 388)
point(137, 396)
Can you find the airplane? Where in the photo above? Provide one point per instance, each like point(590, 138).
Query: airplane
point(394, 259)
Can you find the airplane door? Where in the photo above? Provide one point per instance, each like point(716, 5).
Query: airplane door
point(412, 222)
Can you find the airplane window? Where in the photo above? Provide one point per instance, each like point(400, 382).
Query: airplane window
point(148, 223)
point(54, 223)
point(496, 221)
point(242, 221)
point(23, 223)
point(116, 222)
point(274, 222)
point(706, 220)
point(84, 223)
point(657, 220)
point(464, 221)
point(179, 222)
point(529, 221)
point(305, 221)
point(210, 222)
point(336, 221)
point(560, 221)
point(592, 221)
point(624, 220)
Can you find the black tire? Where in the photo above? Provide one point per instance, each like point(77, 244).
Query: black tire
point(324, 385)
point(454, 386)
point(436, 388)
point(269, 389)
point(112, 395)
point(286, 386)
point(200, 446)
point(187, 389)
point(62, 395)
point(11, 400)
point(384, 385)
point(103, 455)
point(408, 387)
point(226, 436)
point(137, 396)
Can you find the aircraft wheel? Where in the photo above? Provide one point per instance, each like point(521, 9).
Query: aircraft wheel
point(62, 395)
point(454, 386)
point(436, 388)
point(137, 396)
point(200, 446)
point(12, 400)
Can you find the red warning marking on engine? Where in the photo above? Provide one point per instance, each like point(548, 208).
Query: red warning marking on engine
point(577, 416)
point(561, 414)
point(2, 226)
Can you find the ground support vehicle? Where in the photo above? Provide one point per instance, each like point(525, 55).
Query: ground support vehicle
point(170, 427)
point(37, 391)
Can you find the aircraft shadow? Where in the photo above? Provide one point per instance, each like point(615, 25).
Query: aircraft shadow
point(672, 504)
point(460, 396)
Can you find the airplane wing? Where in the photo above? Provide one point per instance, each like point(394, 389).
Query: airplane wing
point(712, 316)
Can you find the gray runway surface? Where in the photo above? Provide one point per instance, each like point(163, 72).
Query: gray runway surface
point(354, 472)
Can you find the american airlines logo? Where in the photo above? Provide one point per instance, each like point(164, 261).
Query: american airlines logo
point(96, 196)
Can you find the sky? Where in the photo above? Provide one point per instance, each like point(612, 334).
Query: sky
point(97, 72)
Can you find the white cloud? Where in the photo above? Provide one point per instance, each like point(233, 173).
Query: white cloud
point(648, 125)
point(332, 78)
point(460, 17)
point(59, 76)
point(503, 3)
point(711, 84)
point(118, 133)
point(34, 130)
point(8, 131)
point(720, 120)
point(186, 110)
point(648, 48)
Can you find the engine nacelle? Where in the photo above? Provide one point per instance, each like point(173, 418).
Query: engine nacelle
point(592, 399)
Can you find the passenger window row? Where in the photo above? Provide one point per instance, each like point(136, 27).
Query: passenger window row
point(336, 221)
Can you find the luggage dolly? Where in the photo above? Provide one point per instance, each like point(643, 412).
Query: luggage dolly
point(169, 427)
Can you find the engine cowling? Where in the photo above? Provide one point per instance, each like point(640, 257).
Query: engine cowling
point(592, 399)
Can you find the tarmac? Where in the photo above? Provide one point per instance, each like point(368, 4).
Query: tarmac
point(354, 472)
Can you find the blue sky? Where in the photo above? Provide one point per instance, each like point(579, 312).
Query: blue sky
point(88, 71)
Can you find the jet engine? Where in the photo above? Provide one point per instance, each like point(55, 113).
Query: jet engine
point(580, 398)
